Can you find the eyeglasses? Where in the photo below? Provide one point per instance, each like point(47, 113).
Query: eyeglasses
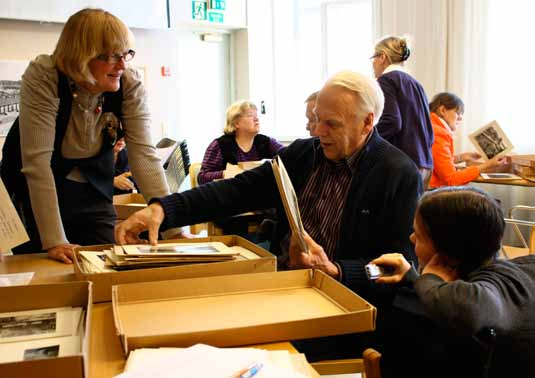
point(116, 58)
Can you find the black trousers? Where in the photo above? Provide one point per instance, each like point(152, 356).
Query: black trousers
point(87, 216)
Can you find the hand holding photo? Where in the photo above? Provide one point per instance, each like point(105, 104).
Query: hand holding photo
point(491, 141)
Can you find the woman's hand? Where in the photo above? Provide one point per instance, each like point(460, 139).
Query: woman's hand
point(62, 252)
point(315, 258)
point(470, 158)
point(150, 218)
point(397, 263)
point(122, 182)
point(496, 164)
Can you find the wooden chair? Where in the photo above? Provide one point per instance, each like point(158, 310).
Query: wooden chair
point(528, 246)
point(368, 364)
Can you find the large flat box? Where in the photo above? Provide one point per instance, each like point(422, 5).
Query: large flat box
point(35, 297)
point(127, 204)
point(238, 310)
point(260, 261)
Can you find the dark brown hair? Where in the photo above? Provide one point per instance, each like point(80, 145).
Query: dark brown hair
point(448, 100)
point(464, 223)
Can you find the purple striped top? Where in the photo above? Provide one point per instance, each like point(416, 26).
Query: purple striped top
point(323, 198)
point(213, 164)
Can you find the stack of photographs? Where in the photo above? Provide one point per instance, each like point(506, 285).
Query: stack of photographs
point(38, 334)
point(125, 257)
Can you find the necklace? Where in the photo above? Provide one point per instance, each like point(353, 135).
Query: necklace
point(96, 110)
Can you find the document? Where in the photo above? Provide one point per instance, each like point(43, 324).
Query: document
point(203, 360)
point(289, 200)
point(12, 232)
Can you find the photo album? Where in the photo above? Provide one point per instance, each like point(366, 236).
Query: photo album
point(44, 333)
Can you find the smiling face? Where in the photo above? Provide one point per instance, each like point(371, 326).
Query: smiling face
point(107, 75)
point(423, 245)
point(340, 130)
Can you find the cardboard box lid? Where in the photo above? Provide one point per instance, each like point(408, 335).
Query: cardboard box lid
point(525, 160)
point(128, 199)
point(103, 282)
point(33, 297)
point(238, 310)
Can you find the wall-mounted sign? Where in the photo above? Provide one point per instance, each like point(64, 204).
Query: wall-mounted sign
point(218, 4)
point(198, 10)
point(215, 17)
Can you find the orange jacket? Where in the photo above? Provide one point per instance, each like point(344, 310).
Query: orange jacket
point(444, 171)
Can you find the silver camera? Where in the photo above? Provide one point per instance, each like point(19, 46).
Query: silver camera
point(374, 271)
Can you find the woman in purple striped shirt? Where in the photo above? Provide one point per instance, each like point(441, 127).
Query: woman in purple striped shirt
point(240, 142)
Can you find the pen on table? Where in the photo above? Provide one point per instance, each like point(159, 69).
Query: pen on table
point(249, 371)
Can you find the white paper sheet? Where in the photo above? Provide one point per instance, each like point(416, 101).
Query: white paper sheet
point(12, 232)
point(16, 279)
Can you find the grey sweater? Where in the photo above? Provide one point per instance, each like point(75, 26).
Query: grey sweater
point(83, 138)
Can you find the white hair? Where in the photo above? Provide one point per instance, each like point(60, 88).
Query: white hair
point(368, 91)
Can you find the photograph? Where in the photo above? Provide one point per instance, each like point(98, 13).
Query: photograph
point(39, 324)
point(14, 326)
point(10, 81)
point(491, 141)
point(40, 353)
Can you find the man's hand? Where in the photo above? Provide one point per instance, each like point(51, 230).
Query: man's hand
point(315, 258)
point(470, 158)
point(62, 252)
point(150, 218)
point(122, 182)
point(398, 264)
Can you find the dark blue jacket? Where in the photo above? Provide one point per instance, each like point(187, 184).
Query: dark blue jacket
point(405, 121)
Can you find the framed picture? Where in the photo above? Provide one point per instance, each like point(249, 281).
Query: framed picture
point(10, 80)
point(491, 141)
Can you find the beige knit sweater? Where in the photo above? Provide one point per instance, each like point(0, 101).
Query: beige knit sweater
point(83, 138)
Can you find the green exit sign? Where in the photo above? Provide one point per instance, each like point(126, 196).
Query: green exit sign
point(218, 4)
point(198, 10)
point(215, 17)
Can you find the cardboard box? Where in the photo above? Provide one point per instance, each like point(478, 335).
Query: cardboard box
point(238, 310)
point(102, 282)
point(127, 204)
point(34, 297)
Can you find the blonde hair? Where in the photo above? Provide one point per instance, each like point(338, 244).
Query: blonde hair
point(367, 90)
point(87, 34)
point(234, 111)
point(396, 49)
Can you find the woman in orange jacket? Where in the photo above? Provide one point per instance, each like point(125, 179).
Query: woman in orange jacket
point(446, 114)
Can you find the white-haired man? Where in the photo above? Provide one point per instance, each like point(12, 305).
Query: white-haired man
point(357, 193)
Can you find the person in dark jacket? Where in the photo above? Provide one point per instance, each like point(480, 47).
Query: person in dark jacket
point(405, 121)
point(444, 311)
point(356, 192)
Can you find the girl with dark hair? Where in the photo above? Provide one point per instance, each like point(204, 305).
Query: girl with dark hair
point(447, 111)
point(461, 288)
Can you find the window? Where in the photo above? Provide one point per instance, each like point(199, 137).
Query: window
point(510, 82)
point(314, 39)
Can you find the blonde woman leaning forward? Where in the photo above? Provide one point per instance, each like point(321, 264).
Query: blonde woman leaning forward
point(75, 105)
point(447, 112)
